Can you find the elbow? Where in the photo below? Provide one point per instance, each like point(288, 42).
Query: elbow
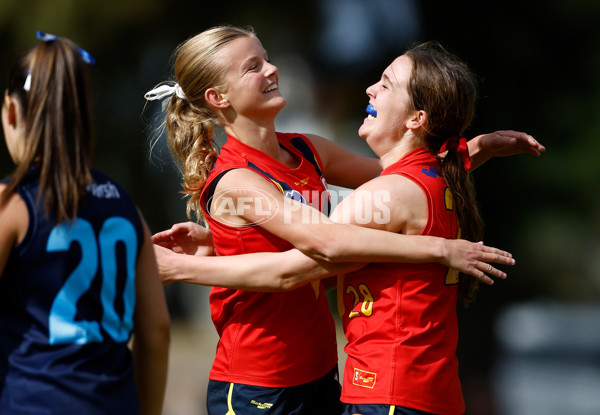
point(161, 334)
point(285, 278)
point(152, 345)
point(161, 338)
point(294, 270)
point(324, 248)
point(291, 282)
point(328, 252)
point(164, 334)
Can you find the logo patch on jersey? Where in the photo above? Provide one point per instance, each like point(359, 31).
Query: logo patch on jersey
point(261, 405)
point(364, 379)
point(432, 172)
point(103, 191)
point(302, 182)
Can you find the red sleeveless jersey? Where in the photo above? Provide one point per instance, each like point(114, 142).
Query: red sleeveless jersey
point(270, 339)
point(400, 319)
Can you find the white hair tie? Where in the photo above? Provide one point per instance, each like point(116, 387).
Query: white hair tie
point(27, 85)
point(179, 92)
point(164, 91)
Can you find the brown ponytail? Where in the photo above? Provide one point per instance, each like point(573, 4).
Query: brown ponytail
point(446, 89)
point(58, 132)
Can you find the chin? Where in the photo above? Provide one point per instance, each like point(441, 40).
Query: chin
point(279, 101)
point(363, 132)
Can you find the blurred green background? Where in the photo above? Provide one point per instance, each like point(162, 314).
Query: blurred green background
point(539, 63)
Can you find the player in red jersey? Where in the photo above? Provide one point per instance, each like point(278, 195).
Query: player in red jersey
point(400, 319)
point(258, 357)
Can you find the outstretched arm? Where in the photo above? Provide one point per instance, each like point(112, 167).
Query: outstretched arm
point(325, 248)
point(261, 271)
point(280, 271)
point(501, 144)
point(347, 169)
point(315, 234)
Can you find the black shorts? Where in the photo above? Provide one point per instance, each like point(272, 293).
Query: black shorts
point(351, 409)
point(320, 397)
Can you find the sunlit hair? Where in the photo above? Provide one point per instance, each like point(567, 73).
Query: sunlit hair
point(190, 122)
point(58, 124)
point(446, 89)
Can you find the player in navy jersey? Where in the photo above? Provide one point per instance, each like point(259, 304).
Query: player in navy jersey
point(78, 275)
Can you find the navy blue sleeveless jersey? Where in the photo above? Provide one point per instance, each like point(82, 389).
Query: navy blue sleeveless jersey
point(67, 298)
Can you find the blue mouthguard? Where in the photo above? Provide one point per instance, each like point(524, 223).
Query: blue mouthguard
point(371, 110)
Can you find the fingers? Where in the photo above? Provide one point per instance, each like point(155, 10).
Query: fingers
point(490, 270)
point(476, 259)
point(484, 278)
point(519, 135)
point(483, 268)
point(180, 227)
point(177, 229)
point(161, 237)
point(498, 256)
point(483, 271)
point(184, 227)
point(532, 145)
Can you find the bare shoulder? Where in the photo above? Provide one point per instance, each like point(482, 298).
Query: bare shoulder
point(394, 202)
point(245, 183)
point(241, 195)
point(14, 220)
point(14, 205)
point(395, 187)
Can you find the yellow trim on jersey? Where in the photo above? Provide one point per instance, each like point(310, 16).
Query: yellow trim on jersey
point(276, 183)
point(392, 409)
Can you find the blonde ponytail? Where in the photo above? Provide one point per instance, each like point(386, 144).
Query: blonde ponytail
point(190, 123)
point(190, 139)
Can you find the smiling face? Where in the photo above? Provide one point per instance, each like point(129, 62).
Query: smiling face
point(390, 99)
point(252, 82)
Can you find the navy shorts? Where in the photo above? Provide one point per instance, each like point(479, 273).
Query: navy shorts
point(350, 409)
point(320, 397)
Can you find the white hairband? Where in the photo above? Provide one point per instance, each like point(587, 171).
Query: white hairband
point(27, 85)
point(164, 91)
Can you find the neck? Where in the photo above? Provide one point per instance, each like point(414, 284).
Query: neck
point(259, 136)
point(399, 149)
